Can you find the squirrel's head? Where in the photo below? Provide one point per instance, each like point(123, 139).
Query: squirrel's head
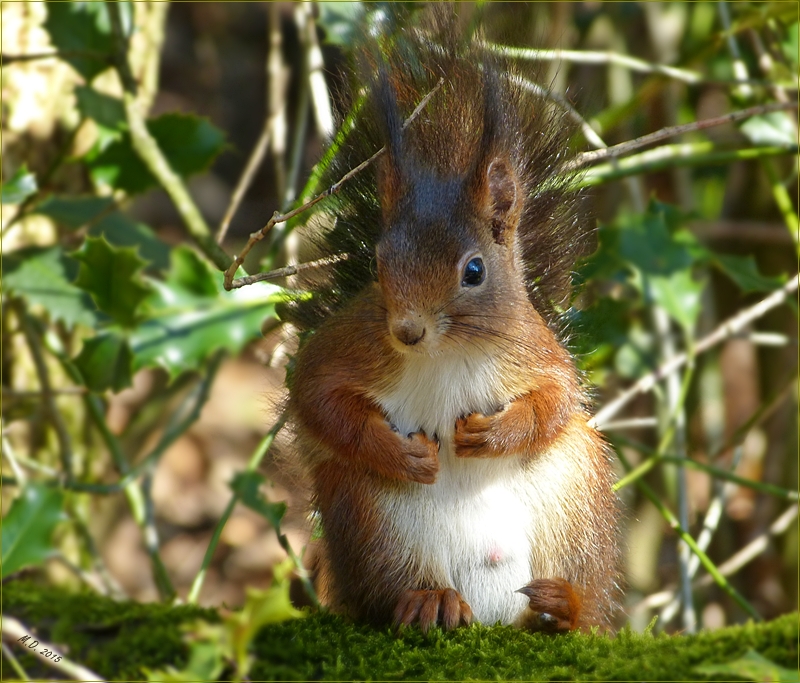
point(448, 257)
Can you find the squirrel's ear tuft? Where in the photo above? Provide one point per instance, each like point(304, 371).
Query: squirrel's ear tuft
point(390, 173)
point(498, 196)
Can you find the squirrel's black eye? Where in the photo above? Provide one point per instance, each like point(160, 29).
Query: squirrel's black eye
point(474, 273)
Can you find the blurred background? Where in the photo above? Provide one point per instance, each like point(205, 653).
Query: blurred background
point(87, 402)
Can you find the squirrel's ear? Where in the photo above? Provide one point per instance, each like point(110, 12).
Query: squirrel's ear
point(498, 196)
point(389, 170)
point(390, 184)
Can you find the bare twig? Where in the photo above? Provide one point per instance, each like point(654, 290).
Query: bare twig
point(150, 153)
point(728, 328)
point(53, 413)
point(320, 97)
point(617, 59)
point(587, 158)
point(9, 655)
point(256, 237)
point(288, 271)
point(15, 631)
point(733, 564)
point(5, 60)
point(245, 179)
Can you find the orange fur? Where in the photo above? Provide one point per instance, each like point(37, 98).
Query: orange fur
point(440, 419)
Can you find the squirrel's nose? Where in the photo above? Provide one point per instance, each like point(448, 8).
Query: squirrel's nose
point(409, 332)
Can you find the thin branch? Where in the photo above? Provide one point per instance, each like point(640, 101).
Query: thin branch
point(6, 60)
point(288, 271)
point(704, 153)
point(587, 158)
point(632, 423)
point(320, 97)
point(732, 565)
point(9, 655)
point(230, 283)
point(253, 164)
point(728, 328)
point(685, 536)
point(52, 411)
point(15, 631)
point(136, 496)
point(150, 153)
point(615, 58)
point(591, 135)
point(255, 460)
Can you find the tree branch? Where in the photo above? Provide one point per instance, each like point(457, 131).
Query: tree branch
point(256, 237)
point(727, 329)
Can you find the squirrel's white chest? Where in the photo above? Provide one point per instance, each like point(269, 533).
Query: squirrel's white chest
point(470, 530)
point(432, 392)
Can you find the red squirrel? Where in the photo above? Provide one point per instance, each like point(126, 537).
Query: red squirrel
point(440, 420)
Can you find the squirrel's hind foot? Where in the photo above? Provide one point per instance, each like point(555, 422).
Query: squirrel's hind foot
point(430, 607)
point(554, 604)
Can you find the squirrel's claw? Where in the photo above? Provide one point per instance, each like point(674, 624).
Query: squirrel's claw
point(431, 607)
point(555, 605)
point(472, 436)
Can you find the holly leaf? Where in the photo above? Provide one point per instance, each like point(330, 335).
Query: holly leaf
point(19, 187)
point(105, 361)
point(744, 272)
point(82, 31)
point(184, 328)
point(112, 276)
point(189, 143)
point(246, 486)
point(106, 111)
point(28, 527)
point(341, 21)
point(73, 212)
point(44, 277)
point(192, 273)
point(120, 231)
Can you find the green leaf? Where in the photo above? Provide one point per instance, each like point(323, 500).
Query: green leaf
point(774, 129)
point(112, 276)
point(73, 212)
point(19, 187)
point(105, 361)
point(744, 272)
point(679, 295)
point(82, 30)
point(106, 111)
point(341, 21)
point(28, 526)
point(184, 329)
point(246, 485)
point(192, 273)
point(44, 277)
point(751, 667)
point(213, 645)
point(188, 142)
point(121, 231)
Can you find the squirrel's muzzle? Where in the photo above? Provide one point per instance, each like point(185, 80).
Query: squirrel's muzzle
point(408, 331)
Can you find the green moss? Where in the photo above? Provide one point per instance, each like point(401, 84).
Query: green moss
point(114, 639)
point(117, 639)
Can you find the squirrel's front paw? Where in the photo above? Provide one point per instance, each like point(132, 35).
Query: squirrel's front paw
point(554, 603)
point(421, 457)
point(431, 607)
point(474, 436)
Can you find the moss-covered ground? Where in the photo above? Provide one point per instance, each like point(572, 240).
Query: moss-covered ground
point(117, 639)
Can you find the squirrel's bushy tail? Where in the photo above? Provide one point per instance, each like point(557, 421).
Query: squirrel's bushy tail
point(482, 100)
